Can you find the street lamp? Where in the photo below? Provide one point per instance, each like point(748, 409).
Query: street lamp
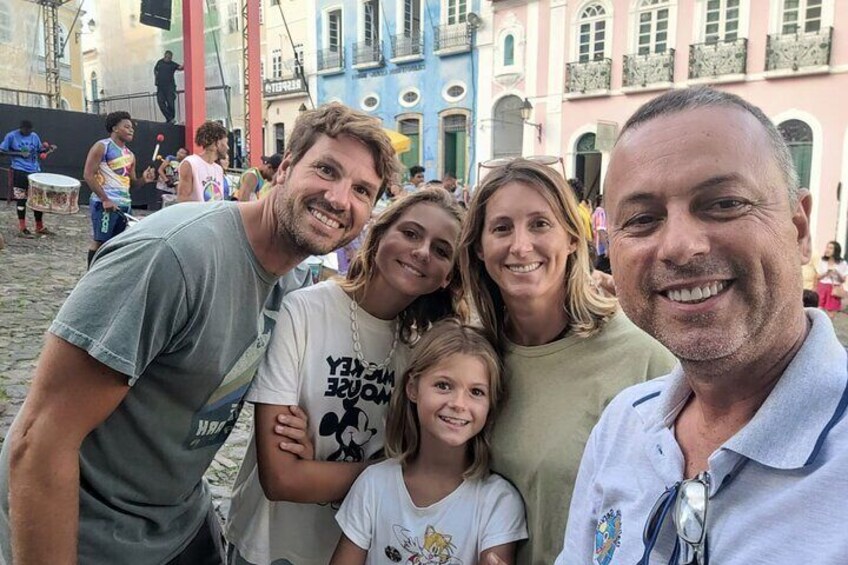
point(526, 108)
point(302, 109)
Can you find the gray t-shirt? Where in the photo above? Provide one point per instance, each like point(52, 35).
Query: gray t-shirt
point(182, 306)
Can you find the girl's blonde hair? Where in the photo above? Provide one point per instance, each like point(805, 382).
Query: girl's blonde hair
point(586, 307)
point(426, 309)
point(446, 338)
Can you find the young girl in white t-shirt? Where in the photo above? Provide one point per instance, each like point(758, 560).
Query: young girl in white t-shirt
point(335, 351)
point(435, 502)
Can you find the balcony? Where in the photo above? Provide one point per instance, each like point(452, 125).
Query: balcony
point(331, 60)
point(794, 51)
point(648, 69)
point(452, 38)
point(718, 58)
point(407, 46)
point(278, 87)
point(367, 54)
point(589, 76)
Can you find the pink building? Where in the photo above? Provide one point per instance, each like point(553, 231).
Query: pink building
point(580, 68)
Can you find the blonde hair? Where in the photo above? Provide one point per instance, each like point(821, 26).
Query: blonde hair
point(586, 307)
point(425, 309)
point(446, 338)
point(336, 119)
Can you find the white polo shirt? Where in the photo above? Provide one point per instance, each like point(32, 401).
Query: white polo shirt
point(779, 492)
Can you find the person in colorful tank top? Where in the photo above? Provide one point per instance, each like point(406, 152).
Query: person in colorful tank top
point(110, 174)
point(255, 182)
point(201, 177)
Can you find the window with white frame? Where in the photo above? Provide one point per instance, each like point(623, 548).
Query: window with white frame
point(801, 16)
point(276, 63)
point(5, 22)
point(457, 11)
point(232, 17)
point(371, 21)
point(592, 33)
point(653, 18)
point(722, 21)
point(298, 59)
point(334, 30)
point(411, 18)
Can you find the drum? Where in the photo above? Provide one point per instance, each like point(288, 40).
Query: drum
point(53, 193)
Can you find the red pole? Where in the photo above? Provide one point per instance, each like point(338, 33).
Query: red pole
point(254, 81)
point(195, 72)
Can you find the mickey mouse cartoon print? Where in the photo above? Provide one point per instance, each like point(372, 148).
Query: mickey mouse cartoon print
point(352, 432)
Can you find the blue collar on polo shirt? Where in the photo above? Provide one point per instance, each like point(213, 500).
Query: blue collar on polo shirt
point(788, 430)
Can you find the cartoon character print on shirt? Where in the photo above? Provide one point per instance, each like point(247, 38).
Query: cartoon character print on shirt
point(212, 424)
point(352, 431)
point(356, 387)
point(212, 189)
point(437, 548)
point(607, 537)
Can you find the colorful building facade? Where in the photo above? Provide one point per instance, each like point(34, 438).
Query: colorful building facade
point(412, 63)
point(582, 67)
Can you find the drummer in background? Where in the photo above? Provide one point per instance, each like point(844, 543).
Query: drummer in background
point(110, 174)
point(24, 146)
point(168, 172)
point(255, 182)
point(201, 177)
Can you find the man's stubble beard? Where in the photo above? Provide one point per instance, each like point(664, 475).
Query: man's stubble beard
point(290, 226)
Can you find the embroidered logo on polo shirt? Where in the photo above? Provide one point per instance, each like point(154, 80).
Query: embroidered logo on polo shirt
point(607, 537)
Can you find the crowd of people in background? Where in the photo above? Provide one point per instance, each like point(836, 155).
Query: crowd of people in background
point(466, 391)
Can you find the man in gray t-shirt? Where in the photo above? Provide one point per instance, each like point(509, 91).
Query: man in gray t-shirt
point(145, 367)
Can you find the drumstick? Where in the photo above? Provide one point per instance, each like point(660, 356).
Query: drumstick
point(159, 139)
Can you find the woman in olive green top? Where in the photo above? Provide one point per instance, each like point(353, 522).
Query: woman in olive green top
point(567, 348)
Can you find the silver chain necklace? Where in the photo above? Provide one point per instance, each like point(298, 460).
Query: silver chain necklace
point(357, 345)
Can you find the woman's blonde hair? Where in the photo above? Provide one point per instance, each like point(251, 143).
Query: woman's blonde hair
point(586, 307)
point(426, 309)
point(446, 338)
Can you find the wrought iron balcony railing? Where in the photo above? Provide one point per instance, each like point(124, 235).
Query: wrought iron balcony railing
point(797, 50)
point(589, 76)
point(452, 37)
point(407, 45)
point(331, 59)
point(651, 68)
point(368, 52)
point(717, 58)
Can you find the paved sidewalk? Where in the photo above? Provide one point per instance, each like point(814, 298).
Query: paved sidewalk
point(36, 276)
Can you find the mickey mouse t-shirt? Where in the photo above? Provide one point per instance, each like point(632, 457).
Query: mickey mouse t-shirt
point(311, 362)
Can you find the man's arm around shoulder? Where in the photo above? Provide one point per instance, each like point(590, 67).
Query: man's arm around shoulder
point(71, 394)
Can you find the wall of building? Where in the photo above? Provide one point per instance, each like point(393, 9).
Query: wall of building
point(429, 76)
point(809, 94)
point(22, 52)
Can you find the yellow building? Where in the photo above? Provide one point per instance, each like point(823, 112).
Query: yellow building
point(22, 49)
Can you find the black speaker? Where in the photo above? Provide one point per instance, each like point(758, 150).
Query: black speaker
point(156, 13)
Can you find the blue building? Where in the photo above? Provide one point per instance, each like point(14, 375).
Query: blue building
point(412, 63)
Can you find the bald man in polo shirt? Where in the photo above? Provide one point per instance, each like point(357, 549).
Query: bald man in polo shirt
point(740, 455)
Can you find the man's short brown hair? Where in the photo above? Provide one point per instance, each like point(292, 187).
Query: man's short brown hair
point(336, 119)
point(209, 133)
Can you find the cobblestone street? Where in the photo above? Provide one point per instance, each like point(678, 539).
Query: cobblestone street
point(36, 275)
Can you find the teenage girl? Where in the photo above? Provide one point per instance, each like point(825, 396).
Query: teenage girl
point(335, 351)
point(435, 502)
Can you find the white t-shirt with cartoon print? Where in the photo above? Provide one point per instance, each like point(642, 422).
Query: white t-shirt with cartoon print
point(311, 363)
point(378, 515)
